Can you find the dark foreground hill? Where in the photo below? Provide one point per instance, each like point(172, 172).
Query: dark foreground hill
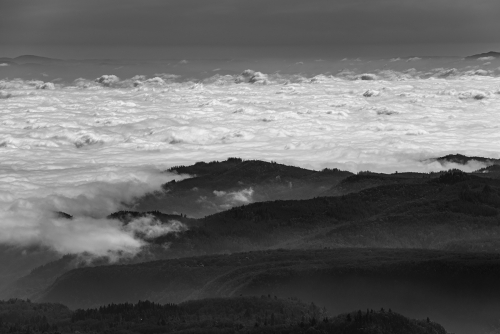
point(459, 290)
point(265, 314)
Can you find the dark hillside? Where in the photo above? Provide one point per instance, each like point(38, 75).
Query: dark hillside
point(16, 262)
point(362, 181)
point(454, 206)
point(460, 290)
point(264, 314)
point(218, 186)
point(463, 159)
point(452, 211)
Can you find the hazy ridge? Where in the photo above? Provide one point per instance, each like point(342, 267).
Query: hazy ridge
point(390, 237)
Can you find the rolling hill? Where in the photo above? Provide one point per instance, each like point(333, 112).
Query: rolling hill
point(218, 186)
point(452, 211)
point(459, 290)
point(389, 229)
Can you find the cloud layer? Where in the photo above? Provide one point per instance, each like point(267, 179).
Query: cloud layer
point(89, 148)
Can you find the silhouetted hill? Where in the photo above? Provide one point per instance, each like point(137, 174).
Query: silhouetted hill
point(485, 54)
point(31, 59)
point(463, 159)
point(218, 186)
point(421, 213)
point(203, 168)
point(265, 314)
point(459, 290)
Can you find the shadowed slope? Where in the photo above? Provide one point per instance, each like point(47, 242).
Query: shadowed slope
point(453, 288)
point(455, 211)
point(218, 186)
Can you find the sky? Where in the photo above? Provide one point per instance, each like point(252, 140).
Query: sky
point(158, 28)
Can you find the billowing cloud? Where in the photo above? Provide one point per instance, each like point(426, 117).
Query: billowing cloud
point(30, 216)
point(149, 228)
point(100, 237)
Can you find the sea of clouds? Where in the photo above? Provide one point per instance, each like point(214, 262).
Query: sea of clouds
point(91, 146)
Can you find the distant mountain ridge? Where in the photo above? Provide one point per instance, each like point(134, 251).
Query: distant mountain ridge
point(30, 59)
point(35, 59)
point(463, 159)
point(484, 55)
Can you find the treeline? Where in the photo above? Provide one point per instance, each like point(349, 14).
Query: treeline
point(265, 314)
point(483, 202)
point(23, 316)
point(204, 168)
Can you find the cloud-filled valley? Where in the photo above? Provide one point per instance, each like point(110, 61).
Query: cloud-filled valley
point(91, 147)
point(130, 163)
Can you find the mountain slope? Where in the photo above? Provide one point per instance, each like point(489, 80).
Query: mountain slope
point(457, 289)
point(218, 186)
point(455, 211)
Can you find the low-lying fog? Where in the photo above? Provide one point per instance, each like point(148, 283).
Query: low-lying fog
point(86, 137)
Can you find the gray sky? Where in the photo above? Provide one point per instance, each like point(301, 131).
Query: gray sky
point(151, 28)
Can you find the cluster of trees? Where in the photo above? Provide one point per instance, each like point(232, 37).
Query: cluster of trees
point(23, 316)
point(453, 176)
point(265, 314)
point(483, 202)
point(204, 168)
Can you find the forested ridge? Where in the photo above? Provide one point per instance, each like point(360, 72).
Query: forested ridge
point(264, 314)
